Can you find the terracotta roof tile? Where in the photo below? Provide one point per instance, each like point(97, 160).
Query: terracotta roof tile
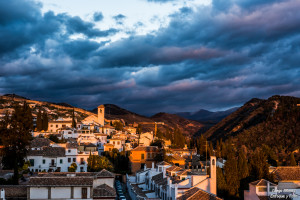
point(48, 152)
point(104, 191)
point(61, 181)
point(287, 173)
point(197, 194)
point(147, 149)
point(40, 142)
point(105, 173)
point(15, 191)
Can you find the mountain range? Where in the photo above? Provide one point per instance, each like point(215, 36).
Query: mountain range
point(274, 122)
point(206, 115)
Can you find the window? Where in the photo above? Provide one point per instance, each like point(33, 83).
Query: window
point(56, 126)
point(69, 150)
point(69, 160)
point(44, 161)
point(148, 155)
point(51, 125)
point(160, 170)
point(118, 142)
point(31, 162)
point(142, 156)
point(61, 161)
point(69, 132)
point(114, 142)
point(74, 159)
point(82, 161)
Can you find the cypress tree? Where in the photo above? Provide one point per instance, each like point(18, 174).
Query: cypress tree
point(259, 165)
point(39, 123)
point(45, 121)
point(292, 160)
point(231, 175)
point(242, 165)
point(16, 135)
point(73, 119)
point(221, 183)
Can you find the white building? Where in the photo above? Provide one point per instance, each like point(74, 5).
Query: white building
point(54, 126)
point(118, 143)
point(169, 182)
point(64, 186)
point(45, 155)
point(260, 189)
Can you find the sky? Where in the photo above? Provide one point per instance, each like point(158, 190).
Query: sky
point(150, 56)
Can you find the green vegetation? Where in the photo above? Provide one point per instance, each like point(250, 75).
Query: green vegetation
point(118, 125)
point(15, 134)
point(72, 168)
point(120, 160)
point(97, 163)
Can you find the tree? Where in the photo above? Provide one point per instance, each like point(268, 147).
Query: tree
point(292, 160)
point(231, 175)
point(16, 135)
point(72, 168)
point(242, 165)
point(73, 119)
point(45, 121)
point(259, 165)
point(39, 125)
point(221, 183)
point(118, 125)
point(97, 163)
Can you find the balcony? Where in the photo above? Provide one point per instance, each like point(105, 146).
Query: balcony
point(52, 164)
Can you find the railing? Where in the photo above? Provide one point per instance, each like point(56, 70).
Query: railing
point(52, 164)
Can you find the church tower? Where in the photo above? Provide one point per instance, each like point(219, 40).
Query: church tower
point(101, 111)
point(213, 175)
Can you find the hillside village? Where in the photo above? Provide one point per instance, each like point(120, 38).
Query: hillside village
point(82, 155)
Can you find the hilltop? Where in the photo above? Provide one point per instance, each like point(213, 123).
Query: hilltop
point(64, 110)
point(274, 122)
point(171, 121)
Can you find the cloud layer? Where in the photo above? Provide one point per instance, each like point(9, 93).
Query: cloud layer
point(213, 57)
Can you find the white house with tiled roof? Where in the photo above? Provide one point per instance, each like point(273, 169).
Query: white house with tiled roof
point(45, 155)
point(260, 189)
point(63, 186)
point(169, 182)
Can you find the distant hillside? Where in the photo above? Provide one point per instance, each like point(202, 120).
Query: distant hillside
point(274, 122)
point(54, 110)
point(205, 115)
point(188, 127)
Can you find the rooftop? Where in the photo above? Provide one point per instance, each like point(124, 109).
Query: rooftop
point(196, 194)
point(148, 148)
point(287, 173)
point(61, 181)
point(104, 191)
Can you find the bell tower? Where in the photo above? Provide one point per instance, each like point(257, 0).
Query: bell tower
point(213, 175)
point(101, 112)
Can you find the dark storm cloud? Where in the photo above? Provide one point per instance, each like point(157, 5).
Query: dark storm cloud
point(98, 16)
point(207, 57)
